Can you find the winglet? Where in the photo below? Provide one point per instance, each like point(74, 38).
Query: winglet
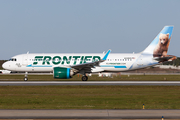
point(106, 55)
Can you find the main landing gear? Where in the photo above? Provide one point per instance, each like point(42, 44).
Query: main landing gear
point(84, 78)
point(26, 76)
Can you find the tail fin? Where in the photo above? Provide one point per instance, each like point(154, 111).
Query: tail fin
point(159, 46)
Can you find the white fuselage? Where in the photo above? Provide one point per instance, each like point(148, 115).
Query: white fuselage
point(46, 62)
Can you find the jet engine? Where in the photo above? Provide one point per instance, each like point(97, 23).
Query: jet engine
point(62, 72)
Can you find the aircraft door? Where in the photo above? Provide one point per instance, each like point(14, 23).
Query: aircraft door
point(25, 60)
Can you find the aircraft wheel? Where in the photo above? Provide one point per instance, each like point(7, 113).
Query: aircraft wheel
point(84, 78)
point(26, 79)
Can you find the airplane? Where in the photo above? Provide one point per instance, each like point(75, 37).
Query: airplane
point(66, 65)
point(5, 71)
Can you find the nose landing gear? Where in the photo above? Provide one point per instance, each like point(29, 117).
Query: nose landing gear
point(26, 76)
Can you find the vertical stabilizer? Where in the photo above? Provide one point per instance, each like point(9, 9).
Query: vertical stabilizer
point(159, 46)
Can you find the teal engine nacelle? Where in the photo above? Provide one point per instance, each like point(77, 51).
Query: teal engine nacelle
point(62, 73)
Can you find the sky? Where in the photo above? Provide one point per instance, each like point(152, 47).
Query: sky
point(85, 26)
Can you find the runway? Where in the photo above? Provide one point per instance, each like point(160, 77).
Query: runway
point(46, 83)
point(89, 114)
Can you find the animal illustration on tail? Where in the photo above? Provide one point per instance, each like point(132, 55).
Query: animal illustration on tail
point(162, 46)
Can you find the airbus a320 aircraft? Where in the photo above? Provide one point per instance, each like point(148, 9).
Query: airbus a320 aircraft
point(64, 66)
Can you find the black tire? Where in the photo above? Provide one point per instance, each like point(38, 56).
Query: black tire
point(84, 78)
point(25, 78)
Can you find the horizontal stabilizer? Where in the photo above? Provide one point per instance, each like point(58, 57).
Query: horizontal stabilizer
point(164, 59)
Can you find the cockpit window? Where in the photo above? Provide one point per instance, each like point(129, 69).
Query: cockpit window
point(12, 59)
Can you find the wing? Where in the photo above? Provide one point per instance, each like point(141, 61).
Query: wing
point(87, 66)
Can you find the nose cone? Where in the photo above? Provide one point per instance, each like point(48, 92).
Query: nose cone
point(5, 65)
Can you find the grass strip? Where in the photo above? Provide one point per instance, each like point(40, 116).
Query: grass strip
point(89, 97)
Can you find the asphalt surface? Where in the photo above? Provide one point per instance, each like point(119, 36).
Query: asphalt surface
point(89, 114)
point(46, 83)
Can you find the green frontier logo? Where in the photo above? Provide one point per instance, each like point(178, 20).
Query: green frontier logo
point(64, 60)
